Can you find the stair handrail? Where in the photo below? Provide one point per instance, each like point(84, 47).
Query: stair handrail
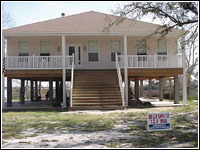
point(72, 79)
point(121, 83)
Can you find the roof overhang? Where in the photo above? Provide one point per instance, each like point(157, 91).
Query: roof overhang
point(7, 34)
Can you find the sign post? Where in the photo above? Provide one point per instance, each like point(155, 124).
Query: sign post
point(158, 121)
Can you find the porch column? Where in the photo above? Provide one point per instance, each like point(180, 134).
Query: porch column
point(2, 77)
point(136, 88)
point(51, 90)
point(9, 92)
point(184, 72)
point(64, 71)
point(36, 90)
point(141, 88)
point(161, 89)
point(150, 88)
point(125, 69)
point(32, 91)
point(61, 90)
point(176, 90)
point(22, 92)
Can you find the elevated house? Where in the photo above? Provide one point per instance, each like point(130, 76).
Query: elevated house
point(98, 64)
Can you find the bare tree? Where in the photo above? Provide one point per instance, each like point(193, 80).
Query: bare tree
point(7, 20)
point(179, 15)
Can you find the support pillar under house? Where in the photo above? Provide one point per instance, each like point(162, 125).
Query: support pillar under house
point(150, 88)
point(32, 91)
point(36, 90)
point(161, 89)
point(141, 88)
point(176, 90)
point(9, 92)
point(22, 92)
point(51, 90)
point(136, 88)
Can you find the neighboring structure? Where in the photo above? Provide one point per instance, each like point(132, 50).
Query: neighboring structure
point(99, 65)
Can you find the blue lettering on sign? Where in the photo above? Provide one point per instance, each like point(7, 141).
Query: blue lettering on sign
point(159, 126)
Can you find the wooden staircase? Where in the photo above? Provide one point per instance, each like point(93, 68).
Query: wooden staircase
point(96, 90)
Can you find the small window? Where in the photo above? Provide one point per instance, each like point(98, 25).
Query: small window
point(23, 48)
point(141, 47)
point(92, 50)
point(162, 46)
point(44, 48)
point(115, 48)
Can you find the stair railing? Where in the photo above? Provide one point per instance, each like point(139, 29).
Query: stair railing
point(121, 83)
point(72, 80)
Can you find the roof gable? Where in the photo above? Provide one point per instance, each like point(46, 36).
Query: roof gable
point(87, 22)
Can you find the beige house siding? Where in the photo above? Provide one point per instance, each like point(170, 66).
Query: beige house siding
point(104, 49)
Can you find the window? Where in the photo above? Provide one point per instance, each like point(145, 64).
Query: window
point(141, 47)
point(44, 48)
point(162, 46)
point(92, 50)
point(23, 48)
point(115, 48)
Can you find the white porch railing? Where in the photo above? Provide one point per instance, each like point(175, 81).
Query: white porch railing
point(72, 80)
point(151, 61)
point(121, 83)
point(37, 62)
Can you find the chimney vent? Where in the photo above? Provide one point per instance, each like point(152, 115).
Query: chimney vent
point(62, 14)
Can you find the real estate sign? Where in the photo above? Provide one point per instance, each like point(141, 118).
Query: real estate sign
point(158, 121)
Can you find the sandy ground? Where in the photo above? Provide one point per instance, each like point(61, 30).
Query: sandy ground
point(78, 139)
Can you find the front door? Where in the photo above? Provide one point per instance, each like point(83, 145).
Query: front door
point(76, 49)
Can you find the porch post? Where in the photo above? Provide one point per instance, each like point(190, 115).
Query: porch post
point(9, 92)
point(3, 78)
point(64, 71)
point(184, 72)
point(161, 89)
point(32, 91)
point(125, 69)
point(141, 88)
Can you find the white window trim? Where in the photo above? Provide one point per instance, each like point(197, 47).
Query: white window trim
point(88, 51)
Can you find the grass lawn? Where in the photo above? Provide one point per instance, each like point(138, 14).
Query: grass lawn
point(133, 122)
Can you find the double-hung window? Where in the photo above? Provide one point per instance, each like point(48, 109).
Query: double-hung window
point(115, 48)
point(142, 50)
point(44, 48)
point(162, 46)
point(92, 51)
point(141, 47)
point(23, 48)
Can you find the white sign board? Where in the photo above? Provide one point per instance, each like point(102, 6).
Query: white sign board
point(158, 121)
